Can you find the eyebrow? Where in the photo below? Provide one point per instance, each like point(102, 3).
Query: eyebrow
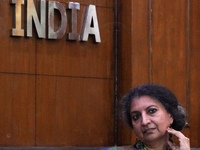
point(136, 111)
point(151, 106)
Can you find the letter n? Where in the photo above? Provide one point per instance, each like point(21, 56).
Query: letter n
point(32, 16)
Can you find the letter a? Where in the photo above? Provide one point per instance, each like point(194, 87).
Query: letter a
point(90, 25)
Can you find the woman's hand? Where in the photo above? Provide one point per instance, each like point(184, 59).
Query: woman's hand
point(184, 141)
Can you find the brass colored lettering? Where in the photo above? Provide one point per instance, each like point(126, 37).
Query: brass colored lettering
point(18, 31)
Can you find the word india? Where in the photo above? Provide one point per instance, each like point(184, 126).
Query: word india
point(47, 30)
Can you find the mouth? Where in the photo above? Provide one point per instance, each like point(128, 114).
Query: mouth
point(148, 131)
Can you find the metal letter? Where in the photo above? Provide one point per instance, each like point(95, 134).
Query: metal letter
point(32, 16)
point(18, 31)
point(90, 18)
point(63, 25)
point(73, 35)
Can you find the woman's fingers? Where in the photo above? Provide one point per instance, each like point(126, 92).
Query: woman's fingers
point(184, 141)
point(176, 133)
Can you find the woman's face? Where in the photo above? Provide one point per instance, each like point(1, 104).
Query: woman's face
point(149, 119)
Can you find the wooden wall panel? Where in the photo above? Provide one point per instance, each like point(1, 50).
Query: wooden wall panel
point(75, 92)
point(169, 49)
point(164, 34)
point(89, 59)
point(17, 110)
point(74, 111)
point(141, 48)
point(125, 72)
point(57, 92)
point(134, 57)
point(194, 60)
point(17, 54)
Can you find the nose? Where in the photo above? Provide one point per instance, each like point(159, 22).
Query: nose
point(145, 119)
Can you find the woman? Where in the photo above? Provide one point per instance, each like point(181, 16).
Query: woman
point(153, 112)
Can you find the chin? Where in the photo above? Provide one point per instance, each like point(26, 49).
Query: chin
point(152, 137)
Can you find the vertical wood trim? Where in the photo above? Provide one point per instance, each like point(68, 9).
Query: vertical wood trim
point(150, 41)
point(36, 82)
point(194, 73)
point(125, 64)
point(188, 49)
point(116, 41)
